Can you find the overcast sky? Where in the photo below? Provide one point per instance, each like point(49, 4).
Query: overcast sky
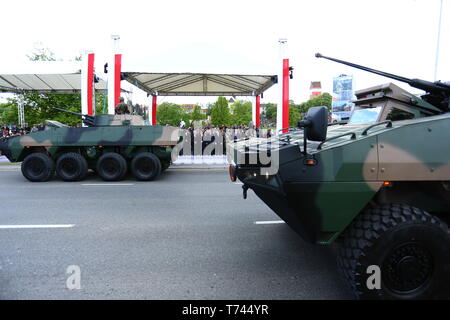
point(398, 36)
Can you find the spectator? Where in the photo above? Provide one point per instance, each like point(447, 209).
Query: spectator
point(12, 131)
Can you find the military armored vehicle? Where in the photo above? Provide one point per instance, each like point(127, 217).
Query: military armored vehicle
point(108, 144)
point(378, 186)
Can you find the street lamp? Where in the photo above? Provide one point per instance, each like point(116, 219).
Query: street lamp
point(438, 42)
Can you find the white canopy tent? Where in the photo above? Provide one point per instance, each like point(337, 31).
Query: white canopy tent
point(45, 77)
point(200, 84)
point(200, 70)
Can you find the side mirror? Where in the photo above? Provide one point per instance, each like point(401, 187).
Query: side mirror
point(315, 124)
point(318, 117)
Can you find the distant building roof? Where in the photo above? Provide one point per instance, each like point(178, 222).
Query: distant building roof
point(315, 85)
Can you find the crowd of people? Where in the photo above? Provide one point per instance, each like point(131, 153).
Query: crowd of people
point(212, 140)
point(7, 131)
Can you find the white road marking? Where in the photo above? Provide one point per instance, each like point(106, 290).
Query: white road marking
point(107, 184)
point(270, 222)
point(36, 226)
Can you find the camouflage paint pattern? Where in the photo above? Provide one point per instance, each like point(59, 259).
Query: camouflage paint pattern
point(320, 200)
point(125, 134)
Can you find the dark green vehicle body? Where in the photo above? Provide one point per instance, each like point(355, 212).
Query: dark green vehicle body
point(320, 200)
point(378, 186)
point(125, 135)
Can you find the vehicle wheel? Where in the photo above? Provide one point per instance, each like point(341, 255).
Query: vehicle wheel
point(71, 166)
point(38, 167)
point(410, 246)
point(146, 166)
point(111, 167)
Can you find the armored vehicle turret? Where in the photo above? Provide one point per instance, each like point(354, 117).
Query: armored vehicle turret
point(108, 144)
point(379, 186)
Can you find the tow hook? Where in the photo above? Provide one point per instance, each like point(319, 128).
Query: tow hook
point(244, 191)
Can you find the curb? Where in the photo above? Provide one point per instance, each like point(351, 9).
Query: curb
point(199, 167)
point(9, 166)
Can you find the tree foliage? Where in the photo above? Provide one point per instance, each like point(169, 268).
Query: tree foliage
point(321, 100)
point(220, 113)
point(41, 53)
point(208, 109)
point(271, 112)
point(170, 114)
point(197, 114)
point(37, 108)
point(294, 116)
point(8, 113)
point(241, 113)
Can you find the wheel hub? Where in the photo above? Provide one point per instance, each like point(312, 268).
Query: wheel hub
point(145, 166)
point(37, 166)
point(408, 268)
point(110, 166)
point(69, 167)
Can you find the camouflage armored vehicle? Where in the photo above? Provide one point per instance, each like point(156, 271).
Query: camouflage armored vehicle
point(109, 145)
point(378, 186)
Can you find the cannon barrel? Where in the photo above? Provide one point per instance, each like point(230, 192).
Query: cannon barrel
point(439, 92)
point(87, 119)
point(67, 111)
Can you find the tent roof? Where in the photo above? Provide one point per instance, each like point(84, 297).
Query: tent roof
point(200, 84)
point(200, 69)
point(45, 77)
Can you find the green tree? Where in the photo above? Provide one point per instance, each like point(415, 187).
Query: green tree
point(197, 114)
point(220, 112)
point(321, 100)
point(8, 113)
point(41, 53)
point(208, 109)
point(186, 117)
point(38, 107)
point(241, 113)
point(294, 116)
point(170, 114)
point(271, 112)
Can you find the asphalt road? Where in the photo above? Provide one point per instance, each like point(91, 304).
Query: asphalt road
point(189, 235)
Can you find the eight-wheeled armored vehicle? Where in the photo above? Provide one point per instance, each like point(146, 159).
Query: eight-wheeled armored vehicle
point(378, 186)
point(108, 144)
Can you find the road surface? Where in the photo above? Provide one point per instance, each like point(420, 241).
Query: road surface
point(188, 235)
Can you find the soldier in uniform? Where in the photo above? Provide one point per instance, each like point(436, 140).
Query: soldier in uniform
point(122, 107)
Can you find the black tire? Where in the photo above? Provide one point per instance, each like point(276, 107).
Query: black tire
point(71, 166)
point(410, 246)
point(111, 167)
point(146, 166)
point(38, 167)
